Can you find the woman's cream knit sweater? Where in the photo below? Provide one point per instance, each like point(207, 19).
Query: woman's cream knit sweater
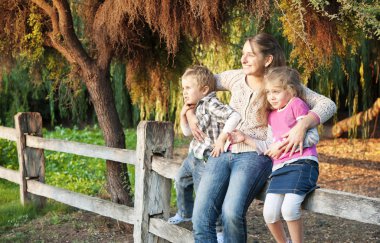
point(243, 100)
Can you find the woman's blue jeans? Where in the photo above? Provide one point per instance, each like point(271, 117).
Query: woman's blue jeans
point(229, 184)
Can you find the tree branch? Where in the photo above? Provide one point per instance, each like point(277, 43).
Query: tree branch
point(54, 40)
point(70, 47)
point(66, 28)
point(54, 43)
point(49, 10)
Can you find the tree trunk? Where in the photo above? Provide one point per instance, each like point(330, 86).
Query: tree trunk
point(99, 87)
point(356, 120)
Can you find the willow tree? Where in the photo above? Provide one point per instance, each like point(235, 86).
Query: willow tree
point(135, 30)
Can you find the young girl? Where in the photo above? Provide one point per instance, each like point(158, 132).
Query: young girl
point(294, 174)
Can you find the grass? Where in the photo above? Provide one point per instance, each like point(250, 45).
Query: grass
point(13, 214)
point(76, 173)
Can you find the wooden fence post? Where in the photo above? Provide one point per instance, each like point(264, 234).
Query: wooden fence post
point(31, 160)
point(152, 191)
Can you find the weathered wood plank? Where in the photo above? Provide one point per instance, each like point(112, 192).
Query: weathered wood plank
point(10, 175)
point(344, 205)
point(89, 150)
point(8, 133)
point(166, 167)
point(31, 160)
point(152, 191)
point(92, 204)
point(172, 233)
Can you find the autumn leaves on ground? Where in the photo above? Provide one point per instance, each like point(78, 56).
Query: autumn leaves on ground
point(348, 165)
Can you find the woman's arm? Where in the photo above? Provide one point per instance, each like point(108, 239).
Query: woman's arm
point(225, 80)
point(322, 109)
point(183, 120)
point(192, 120)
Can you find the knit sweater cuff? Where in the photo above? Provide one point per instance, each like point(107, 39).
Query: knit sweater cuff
point(241, 148)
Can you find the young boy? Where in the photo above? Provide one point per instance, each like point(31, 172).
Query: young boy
point(215, 119)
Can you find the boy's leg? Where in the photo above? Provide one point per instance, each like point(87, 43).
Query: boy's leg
point(272, 216)
point(184, 187)
point(199, 167)
point(291, 212)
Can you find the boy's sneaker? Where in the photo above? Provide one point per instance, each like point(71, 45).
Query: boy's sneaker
point(176, 219)
point(219, 237)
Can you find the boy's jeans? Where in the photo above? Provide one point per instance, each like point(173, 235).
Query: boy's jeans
point(187, 179)
point(228, 186)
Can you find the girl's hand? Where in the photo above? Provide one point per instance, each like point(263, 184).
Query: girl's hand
point(193, 124)
point(236, 136)
point(274, 150)
point(294, 139)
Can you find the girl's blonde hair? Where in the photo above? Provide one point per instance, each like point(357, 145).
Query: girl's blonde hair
point(202, 76)
point(285, 77)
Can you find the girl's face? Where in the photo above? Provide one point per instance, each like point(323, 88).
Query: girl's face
point(277, 96)
point(192, 93)
point(252, 60)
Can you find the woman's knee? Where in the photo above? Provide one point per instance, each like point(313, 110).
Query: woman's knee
point(232, 214)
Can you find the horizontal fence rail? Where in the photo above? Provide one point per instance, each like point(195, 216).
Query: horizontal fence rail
point(344, 205)
point(89, 150)
point(170, 232)
point(92, 204)
point(8, 133)
point(10, 175)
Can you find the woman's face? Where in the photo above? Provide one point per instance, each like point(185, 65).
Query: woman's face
point(252, 60)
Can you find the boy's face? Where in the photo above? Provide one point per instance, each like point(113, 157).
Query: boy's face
point(192, 93)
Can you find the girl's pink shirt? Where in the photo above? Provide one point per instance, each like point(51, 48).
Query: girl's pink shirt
point(281, 121)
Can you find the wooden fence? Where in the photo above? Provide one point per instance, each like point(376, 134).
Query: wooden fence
point(154, 169)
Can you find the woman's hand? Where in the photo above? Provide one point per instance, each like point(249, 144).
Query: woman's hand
point(193, 124)
point(294, 139)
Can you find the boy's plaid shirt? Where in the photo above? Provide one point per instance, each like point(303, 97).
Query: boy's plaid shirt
point(212, 115)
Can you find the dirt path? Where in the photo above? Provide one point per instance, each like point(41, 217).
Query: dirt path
point(347, 165)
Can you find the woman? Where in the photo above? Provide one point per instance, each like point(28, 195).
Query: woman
point(231, 181)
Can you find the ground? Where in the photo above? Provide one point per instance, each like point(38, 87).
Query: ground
point(347, 165)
